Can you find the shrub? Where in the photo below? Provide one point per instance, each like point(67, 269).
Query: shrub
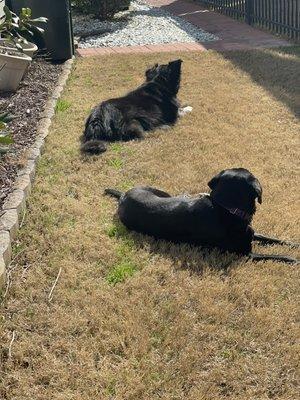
point(102, 9)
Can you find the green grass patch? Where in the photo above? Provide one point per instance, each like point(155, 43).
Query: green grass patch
point(116, 147)
point(120, 272)
point(117, 230)
point(116, 163)
point(62, 105)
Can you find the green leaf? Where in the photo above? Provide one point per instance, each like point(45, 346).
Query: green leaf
point(40, 19)
point(37, 29)
point(3, 150)
point(2, 125)
point(7, 139)
point(7, 12)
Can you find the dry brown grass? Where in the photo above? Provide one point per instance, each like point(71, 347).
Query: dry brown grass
point(178, 326)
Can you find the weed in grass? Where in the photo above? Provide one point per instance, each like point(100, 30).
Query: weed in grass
point(116, 163)
point(126, 185)
point(62, 105)
point(116, 147)
point(110, 388)
point(120, 272)
point(125, 249)
point(117, 230)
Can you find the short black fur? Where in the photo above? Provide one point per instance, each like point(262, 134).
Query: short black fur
point(150, 106)
point(221, 219)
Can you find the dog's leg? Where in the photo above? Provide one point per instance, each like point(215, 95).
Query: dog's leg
point(134, 130)
point(275, 257)
point(269, 240)
point(184, 110)
point(165, 127)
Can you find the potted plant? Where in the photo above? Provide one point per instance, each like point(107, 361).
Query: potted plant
point(18, 31)
point(58, 37)
point(13, 46)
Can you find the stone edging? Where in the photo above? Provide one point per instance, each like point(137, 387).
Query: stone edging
point(14, 206)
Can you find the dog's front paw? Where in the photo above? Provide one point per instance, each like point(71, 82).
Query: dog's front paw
point(188, 109)
point(185, 110)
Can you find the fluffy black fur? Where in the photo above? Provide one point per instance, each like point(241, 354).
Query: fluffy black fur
point(150, 106)
point(221, 219)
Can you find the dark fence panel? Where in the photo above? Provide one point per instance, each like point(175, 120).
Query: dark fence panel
point(279, 16)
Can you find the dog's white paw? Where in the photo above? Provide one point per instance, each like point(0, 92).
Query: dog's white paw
point(188, 109)
point(185, 110)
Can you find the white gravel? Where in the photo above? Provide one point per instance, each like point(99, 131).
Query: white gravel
point(141, 25)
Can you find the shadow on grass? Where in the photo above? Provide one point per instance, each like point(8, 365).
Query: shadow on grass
point(276, 70)
point(183, 256)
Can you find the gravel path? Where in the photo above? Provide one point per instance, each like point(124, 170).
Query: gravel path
point(141, 25)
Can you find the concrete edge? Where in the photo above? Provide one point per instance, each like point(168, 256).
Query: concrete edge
point(14, 206)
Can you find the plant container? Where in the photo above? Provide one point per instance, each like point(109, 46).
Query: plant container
point(13, 65)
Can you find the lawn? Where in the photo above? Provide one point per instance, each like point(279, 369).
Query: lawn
point(134, 319)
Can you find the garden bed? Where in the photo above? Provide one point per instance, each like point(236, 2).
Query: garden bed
point(26, 105)
point(140, 25)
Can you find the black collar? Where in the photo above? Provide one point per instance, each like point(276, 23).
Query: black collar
point(236, 211)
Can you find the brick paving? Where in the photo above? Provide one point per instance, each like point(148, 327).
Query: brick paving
point(233, 35)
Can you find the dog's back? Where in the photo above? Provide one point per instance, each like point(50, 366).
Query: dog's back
point(178, 219)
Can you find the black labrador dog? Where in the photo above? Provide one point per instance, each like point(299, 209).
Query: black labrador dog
point(221, 219)
point(151, 105)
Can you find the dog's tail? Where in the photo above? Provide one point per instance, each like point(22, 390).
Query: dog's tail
point(91, 142)
point(103, 125)
point(114, 193)
point(93, 147)
point(273, 257)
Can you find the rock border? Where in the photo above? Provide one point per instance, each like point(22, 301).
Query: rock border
point(14, 206)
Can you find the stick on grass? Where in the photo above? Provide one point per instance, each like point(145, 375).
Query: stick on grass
point(11, 343)
point(50, 297)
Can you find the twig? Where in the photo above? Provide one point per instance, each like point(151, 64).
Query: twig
point(54, 284)
point(10, 344)
point(10, 268)
point(23, 219)
point(8, 281)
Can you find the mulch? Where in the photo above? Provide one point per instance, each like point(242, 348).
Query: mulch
point(26, 105)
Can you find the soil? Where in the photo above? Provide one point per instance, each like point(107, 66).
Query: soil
point(26, 105)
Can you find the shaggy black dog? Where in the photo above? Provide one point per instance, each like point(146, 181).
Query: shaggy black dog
point(150, 106)
point(221, 219)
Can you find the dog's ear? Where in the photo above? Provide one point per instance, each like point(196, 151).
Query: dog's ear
point(215, 180)
point(176, 64)
point(257, 189)
point(151, 72)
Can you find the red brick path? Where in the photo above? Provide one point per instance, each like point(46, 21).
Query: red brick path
point(233, 35)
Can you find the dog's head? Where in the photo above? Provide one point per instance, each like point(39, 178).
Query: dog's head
point(236, 190)
point(169, 74)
